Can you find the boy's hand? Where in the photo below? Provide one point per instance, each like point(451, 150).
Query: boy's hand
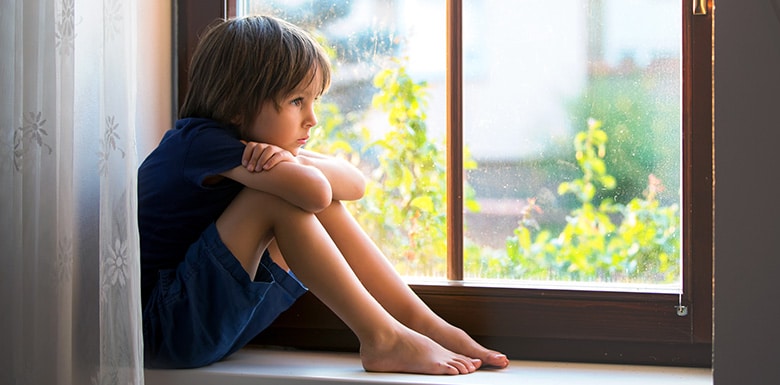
point(262, 156)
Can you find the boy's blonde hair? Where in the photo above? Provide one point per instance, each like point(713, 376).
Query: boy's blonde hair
point(242, 62)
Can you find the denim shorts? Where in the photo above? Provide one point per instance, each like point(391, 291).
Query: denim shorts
point(208, 308)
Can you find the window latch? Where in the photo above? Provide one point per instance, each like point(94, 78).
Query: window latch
point(699, 7)
point(682, 310)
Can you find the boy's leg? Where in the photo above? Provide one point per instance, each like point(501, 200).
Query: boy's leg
point(253, 218)
point(384, 283)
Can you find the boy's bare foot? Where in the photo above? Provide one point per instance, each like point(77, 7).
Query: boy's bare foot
point(459, 341)
point(406, 351)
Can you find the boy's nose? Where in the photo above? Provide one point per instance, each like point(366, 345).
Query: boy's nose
point(312, 119)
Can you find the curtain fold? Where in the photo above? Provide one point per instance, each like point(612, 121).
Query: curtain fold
point(69, 268)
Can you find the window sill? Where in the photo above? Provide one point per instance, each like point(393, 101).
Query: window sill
point(263, 366)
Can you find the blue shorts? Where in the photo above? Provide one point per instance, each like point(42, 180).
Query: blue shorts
point(208, 308)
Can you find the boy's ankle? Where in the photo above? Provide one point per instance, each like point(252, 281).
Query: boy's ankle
point(381, 336)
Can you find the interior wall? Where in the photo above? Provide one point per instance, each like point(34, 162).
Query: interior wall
point(747, 214)
point(154, 100)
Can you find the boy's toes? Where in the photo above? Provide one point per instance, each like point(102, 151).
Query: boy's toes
point(497, 360)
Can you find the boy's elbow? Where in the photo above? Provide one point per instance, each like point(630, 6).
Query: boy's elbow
point(357, 190)
point(320, 205)
point(319, 199)
point(361, 190)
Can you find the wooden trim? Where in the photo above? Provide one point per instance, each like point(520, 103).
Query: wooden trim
point(190, 19)
point(232, 8)
point(454, 141)
point(527, 324)
point(698, 186)
point(536, 324)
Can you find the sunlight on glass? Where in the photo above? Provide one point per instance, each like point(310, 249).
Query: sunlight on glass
point(572, 114)
point(572, 128)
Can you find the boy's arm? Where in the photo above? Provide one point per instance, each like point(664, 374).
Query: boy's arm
point(346, 181)
point(302, 185)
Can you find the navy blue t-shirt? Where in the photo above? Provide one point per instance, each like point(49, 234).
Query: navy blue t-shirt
point(174, 205)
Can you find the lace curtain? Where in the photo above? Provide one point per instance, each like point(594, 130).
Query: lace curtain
point(69, 263)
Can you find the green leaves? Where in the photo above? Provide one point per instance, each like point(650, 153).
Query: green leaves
point(404, 208)
point(643, 247)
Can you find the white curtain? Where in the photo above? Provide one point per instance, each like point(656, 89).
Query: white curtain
point(69, 263)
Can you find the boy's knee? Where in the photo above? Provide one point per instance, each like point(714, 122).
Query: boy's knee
point(251, 198)
point(254, 202)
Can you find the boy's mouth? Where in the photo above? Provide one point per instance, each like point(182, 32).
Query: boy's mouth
point(302, 141)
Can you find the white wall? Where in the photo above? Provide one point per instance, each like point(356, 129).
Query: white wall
point(747, 216)
point(154, 101)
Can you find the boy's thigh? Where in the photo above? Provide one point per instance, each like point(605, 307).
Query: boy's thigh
point(208, 307)
point(247, 224)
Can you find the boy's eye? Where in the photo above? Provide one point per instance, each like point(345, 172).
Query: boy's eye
point(297, 101)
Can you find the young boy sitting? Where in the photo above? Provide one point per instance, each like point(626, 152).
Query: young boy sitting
point(235, 218)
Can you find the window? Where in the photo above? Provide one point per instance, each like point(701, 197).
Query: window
point(563, 322)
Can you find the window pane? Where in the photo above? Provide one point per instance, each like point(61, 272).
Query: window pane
point(572, 118)
point(385, 111)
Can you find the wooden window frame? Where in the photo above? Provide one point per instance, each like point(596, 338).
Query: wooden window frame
point(543, 324)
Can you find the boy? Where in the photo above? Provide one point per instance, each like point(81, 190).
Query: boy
point(230, 206)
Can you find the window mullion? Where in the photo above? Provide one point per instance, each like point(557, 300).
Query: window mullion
point(699, 178)
point(454, 141)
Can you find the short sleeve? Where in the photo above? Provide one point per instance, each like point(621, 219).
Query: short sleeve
point(211, 151)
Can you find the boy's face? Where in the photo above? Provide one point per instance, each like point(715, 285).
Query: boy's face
point(287, 127)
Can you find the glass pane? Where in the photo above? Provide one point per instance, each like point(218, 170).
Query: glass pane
point(385, 112)
point(572, 118)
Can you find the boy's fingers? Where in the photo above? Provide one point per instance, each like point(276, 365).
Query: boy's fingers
point(276, 158)
point(259, 156)
point(267, 156)
point(248, 149)
point(253, 156)
point(270, 162)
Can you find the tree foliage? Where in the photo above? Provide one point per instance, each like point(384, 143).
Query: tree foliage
point(404, 208)
point(601, 241)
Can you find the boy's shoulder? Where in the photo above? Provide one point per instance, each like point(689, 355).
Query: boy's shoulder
point(191, 128)
point(198, 138)
point(200, 133)
point(195, 147)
